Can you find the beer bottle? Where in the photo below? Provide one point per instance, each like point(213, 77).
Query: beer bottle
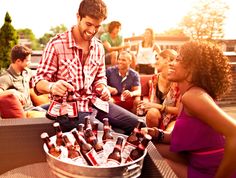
point(54, 108)
point(133, 138)
point(72, 104)
point(141, 109)
point(52, 149)
point(86, 150)
point(59, 139)
point(106, 131)
point(72, 152)
point(95, 128)
point(87, 122)
point(139, 150)
point(115, 157)
point(80, 129)
point(92, 140)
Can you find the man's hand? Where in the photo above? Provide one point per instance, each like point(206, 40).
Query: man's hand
point(127, 94)
point(104, 93)
point(60, 88)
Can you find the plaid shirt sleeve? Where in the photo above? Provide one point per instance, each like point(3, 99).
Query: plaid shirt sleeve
point(47, 66)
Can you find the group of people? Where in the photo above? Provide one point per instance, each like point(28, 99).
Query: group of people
point(184, 91)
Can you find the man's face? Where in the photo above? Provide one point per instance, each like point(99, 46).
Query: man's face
point(88, 27)
point(123, 61)
point(23, 64)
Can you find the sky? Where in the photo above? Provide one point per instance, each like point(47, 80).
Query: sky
point(135, 15)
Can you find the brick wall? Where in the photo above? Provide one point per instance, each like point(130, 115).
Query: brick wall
point(230, 98)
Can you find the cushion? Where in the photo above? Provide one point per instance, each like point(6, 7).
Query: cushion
point(35, 114)
point(10, 106)
point(38, 99)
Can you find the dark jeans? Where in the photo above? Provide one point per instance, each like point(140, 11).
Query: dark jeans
point(120, 119)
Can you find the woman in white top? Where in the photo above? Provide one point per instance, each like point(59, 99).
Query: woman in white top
point(147, 50)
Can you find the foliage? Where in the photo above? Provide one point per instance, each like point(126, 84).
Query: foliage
point(53, 31)
point(27, 33)
point(205, 20)
point(175, 32)
point(8, 38)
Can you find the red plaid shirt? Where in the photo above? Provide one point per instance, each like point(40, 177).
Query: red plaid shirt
point(61, 60)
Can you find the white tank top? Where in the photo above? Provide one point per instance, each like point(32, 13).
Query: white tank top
point(145, 55)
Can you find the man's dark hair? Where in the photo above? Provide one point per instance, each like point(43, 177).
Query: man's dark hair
point(20, 52)
point(95, 9)
point(112, 25)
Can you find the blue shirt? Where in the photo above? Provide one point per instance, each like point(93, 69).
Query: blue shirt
point(115, 80)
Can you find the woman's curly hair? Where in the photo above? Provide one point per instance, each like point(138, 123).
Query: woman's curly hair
point(209, 67)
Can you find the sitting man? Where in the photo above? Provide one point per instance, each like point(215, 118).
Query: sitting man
point(17, 78)
point(123, 82)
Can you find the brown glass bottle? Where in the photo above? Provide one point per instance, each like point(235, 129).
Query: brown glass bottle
point(141, 110)
point(139, 150)
point(115, 157)
point(133, 138)
point(52, 149)
point(86, 150)
point(80, 129)
point(107, 135)
point(54, 108)
point(72, 104)
point(87, 122)
point(95, 128)
point(59, 139)
point(72, 152)
point(92, 140)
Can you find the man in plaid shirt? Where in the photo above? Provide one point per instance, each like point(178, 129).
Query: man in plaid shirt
point(74, 61)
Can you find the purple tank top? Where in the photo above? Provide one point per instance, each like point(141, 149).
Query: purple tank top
point(191, 134)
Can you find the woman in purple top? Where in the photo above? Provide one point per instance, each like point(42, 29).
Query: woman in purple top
point(203, 141)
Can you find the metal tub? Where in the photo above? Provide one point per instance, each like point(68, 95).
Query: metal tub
point(64, 169)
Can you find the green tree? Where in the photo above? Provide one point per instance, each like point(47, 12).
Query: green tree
point(174, 32)
point(27, 33)
point(8, 38)
point(205, 21)
point(53, 31)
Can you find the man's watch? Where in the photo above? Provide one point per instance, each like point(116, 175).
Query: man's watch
point(50, 87)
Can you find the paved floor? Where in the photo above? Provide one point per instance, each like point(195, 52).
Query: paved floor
point(231, 110)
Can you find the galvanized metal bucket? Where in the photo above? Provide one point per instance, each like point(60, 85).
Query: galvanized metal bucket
point(64, 169)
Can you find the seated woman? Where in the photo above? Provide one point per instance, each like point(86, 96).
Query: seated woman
point(203, 141)
point(162, 107)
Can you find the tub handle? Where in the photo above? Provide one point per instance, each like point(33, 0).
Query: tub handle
point(131, 168)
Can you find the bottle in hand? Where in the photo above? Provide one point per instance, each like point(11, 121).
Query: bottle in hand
point(72, 104)
point(139, 150)
point(54, 108)
point(141, 109)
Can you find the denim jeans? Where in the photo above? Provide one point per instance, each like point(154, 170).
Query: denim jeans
point(120, 119)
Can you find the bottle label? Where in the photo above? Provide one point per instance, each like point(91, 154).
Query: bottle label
point(91, 156)
point(54, 109)
point(72, 109)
